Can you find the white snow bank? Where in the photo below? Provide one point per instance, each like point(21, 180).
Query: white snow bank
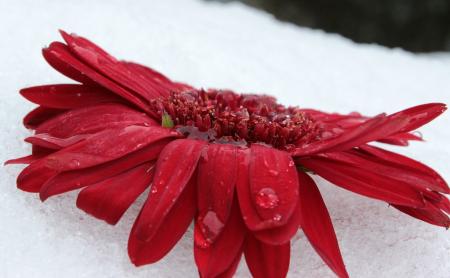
point(217, 46)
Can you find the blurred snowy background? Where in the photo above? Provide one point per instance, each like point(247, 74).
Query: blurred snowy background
point(229, 45)
point(415, 25)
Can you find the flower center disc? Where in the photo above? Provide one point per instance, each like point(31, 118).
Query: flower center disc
point(227, 117)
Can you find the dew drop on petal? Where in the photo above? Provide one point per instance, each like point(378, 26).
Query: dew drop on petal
point(277, 217)
point(75, 163)
point(200, 241)
point(211, 225)
point(267, 198)
point(274, 172)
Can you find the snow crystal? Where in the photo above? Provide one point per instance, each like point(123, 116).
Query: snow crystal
point(222, 46)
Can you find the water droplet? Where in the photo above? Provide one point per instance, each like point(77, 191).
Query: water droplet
point(211, 225)
point(200, 241)
point(267, 198)
point(277, 217)
point(274, 173)
point(154, 189)
point(75, 163)
point(291, 163)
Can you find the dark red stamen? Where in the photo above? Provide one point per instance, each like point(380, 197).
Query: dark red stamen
point(227, 116)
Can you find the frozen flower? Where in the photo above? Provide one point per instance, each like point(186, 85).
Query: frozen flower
point(238, 165)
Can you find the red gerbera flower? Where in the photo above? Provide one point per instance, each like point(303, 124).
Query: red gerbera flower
point(239, 165)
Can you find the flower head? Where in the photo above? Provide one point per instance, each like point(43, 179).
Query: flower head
point(238, 165)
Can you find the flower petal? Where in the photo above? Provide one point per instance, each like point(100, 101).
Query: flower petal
point(430, 214)
point(397, 160)
point(229, 273)
point(420, 115)
point(217, 171)
point(59, 56)
point(68, 96)
point(54, 55)
point(374, 129)
point(171, 177)
point(34, 176)
point(40, 115)
point(115, 70)
point(268, 196)
point(47, 141)
point(363, 182)
point(317, 225)
point(147, 72)
point(267, 261)
point(92, 119)
point(173, 225)
point(109, 199)
point(283, 234)
point(215, 258)
point(72, 180)
point(401, 139)
point(367, 163)
point(155, 77)
point(24, 160)
point(106, 146)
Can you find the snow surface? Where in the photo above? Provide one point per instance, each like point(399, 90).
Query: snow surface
point(216, 45)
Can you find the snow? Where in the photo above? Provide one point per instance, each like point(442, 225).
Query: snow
point(216, 45)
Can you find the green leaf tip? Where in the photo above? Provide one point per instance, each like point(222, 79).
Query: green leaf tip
point(167, 121)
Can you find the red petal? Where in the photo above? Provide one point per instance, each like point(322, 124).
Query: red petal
point(24, 160)
point(401, 139)
point(109, 199)
point(229, 273)
point(92, 119)
point(368, 163)
point(376, 128)
point(217, 171)
point(154, 77)
point(72, 180)
point(54, 57)
point(147, 72)
point(214, 259)
point(317, 226)
point(39, 115)
point(430, 214)
point(420, 115)
point(283, 234)
point(268, 196)
point(106, 146)
point(59, 56)
point(267, 261)
point(34, 176)
point(47, 141)
point(171, 177)
point(68, 96)
point(364, 182)
point(360, 131)
point(397, 160)
point(110, 67)
point(174, 225)
point(444, 204)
